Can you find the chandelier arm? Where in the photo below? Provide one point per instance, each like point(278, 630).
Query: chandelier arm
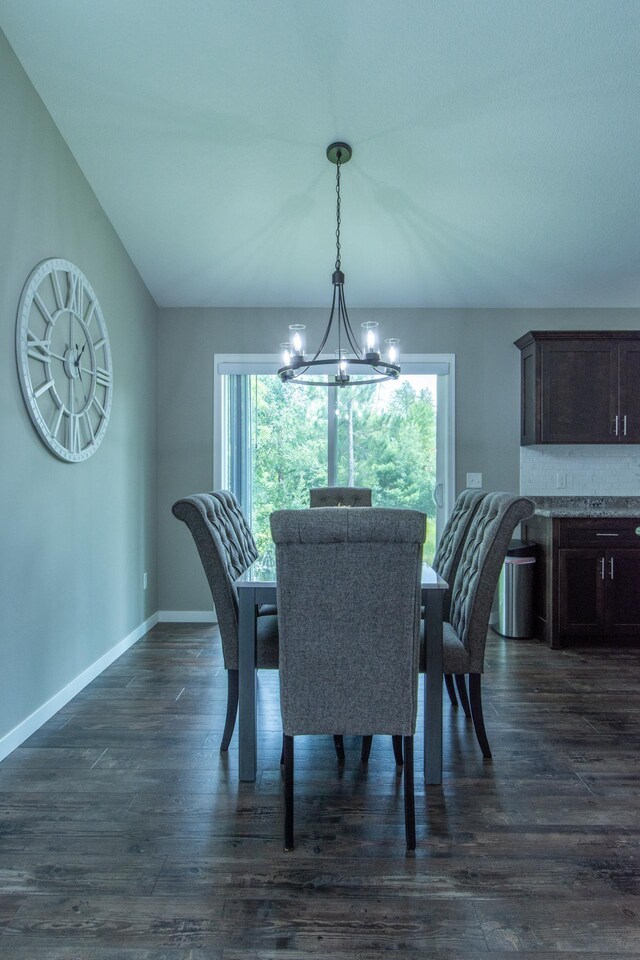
point(328, 327)
point(366, 383)
point(347, 383)
point(347, 326)
point(384, 371)
point(377, 369)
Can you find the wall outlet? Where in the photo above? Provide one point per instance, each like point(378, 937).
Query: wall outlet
point(561, 481)
point(145, 581)
point(474, 481)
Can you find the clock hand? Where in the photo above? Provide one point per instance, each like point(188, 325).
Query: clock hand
point(82, 383)
point(79, 369)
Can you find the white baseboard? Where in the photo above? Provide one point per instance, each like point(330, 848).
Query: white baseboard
point(187, 616)
point(24, 729)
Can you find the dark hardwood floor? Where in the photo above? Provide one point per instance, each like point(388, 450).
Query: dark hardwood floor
point(125, 834)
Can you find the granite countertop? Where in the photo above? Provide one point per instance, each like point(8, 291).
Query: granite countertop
point(587, 506)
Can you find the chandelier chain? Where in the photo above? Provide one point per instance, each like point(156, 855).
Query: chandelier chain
point(338, 212)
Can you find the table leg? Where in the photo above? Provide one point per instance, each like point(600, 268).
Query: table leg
point(247, 729)
point(433, 688)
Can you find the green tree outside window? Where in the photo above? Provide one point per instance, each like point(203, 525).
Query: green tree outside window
point(385, 440)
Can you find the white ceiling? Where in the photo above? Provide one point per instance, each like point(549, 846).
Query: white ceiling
point(496, 144)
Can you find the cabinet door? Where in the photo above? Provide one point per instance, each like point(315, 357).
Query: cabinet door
point(579, 391)
point(529, 397)
point(629, 369)
point(581, 592)
point(622, 569)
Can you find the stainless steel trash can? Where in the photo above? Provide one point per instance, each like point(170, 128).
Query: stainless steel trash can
point(515, 590)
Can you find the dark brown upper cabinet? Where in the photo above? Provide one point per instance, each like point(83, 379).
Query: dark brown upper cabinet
point(580, 387)
point(629, 372)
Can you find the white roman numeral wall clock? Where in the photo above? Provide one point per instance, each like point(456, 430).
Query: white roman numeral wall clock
point(64, 360)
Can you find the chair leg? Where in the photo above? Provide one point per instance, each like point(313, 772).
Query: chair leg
point(288, 793)
point(366, 748)
point(338, 742)
point(232, 709)
point(397, 750)
point(461, 684)
point(409, 798)
point(475, 695)
point(451, 690)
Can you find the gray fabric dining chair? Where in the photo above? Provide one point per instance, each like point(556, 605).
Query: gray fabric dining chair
point(349, 619)
point(446, 561)
point(226, 548)
point(340, 497)
point(465, 632)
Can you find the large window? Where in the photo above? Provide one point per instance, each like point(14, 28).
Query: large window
point(275, 442)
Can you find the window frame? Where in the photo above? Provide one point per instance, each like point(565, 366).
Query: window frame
point(248, 363)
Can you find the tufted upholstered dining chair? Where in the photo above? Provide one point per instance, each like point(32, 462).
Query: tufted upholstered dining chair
point(349, 613)
point(226, 548)
point(446, 563)
point(340, 497)
point(465, 631)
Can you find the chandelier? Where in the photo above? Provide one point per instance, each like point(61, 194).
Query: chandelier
point(364, 361)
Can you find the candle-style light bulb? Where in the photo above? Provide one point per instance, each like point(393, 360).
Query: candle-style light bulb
point(393, 349)
point(296, 338)
point(286, 354)
point(342, 376)
point(370, 336)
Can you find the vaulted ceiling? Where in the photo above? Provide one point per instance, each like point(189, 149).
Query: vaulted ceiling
point(496, 144)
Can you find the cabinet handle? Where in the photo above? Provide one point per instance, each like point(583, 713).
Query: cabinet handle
point(624, 425)
point(617, 424)
point(607, 534)
point(602, 568)
point(611, 567)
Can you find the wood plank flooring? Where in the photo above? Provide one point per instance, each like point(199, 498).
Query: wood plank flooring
point(124, 832)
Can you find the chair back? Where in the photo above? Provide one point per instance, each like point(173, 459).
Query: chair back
point(452, 540)
point(484, 552)
point(226, 548)
point(340, 497)
point(349, 619)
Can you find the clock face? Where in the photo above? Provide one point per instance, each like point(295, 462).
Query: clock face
point(64, 360)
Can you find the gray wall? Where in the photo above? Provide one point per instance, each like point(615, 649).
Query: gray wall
point(76, 538)
point(487, 398)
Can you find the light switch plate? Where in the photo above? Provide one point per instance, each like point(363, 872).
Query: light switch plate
point(561, 481)
point(474, 481)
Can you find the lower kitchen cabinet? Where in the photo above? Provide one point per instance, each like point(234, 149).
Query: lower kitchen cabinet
point(581, 593)
point(588, 578)
point(623, 593)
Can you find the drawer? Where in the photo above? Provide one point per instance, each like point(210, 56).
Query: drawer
point(616, 532)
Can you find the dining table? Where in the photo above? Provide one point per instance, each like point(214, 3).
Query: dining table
point(256, 586)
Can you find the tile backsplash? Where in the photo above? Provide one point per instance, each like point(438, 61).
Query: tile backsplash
point(586, 470)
